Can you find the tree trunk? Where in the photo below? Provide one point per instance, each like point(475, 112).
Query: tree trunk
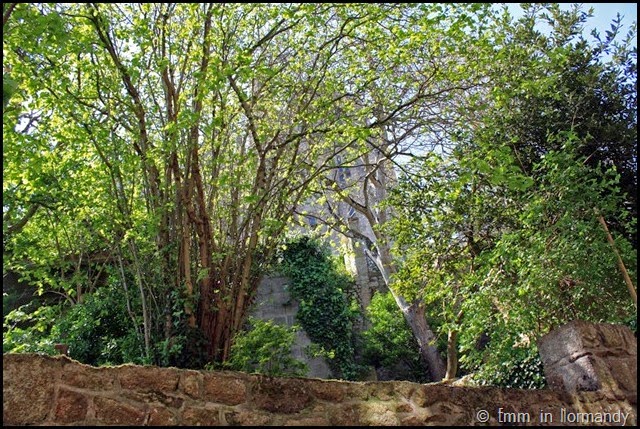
point(452, 355)
point(414, 314)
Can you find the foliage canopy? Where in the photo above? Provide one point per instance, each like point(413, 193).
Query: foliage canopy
point(156, 155)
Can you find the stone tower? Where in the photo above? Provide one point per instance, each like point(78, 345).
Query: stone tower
point(273, 301)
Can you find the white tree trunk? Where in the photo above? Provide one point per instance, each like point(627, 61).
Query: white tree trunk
point(414, 314)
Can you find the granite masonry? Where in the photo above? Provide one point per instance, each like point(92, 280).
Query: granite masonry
point(591, 369)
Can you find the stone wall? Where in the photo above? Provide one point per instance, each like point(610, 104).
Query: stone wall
point(45, 390)
point(582, 356)
point(42, 390)
point(274, 302)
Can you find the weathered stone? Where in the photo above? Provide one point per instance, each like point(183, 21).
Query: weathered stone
point(404, 389)
point(404, 408)
point(426, 395)
point(148, 379)
point(578, 375)
point(561, 343)
point(196, 416)
point(75, 396)
point(373, 413)
point(154, 398)
point(281, 395)
point(224, 389)
point(160, 416)
point(383, 390)
point(607, 337)
point(320, 408)
point(247, 418)
point(442, 404)
point(111, 411)
point(358, 390)
point(411, 421)
point(71, 406)
point(172, 401)
point(332, 391)
point(345, 415)
point(624, 372)
point(309, 421)
point(88, 377)
point(581, 356)
point(28, 387)
point(190, 382)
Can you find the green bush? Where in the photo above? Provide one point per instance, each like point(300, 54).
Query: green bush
point(265, 348)
point(26, 330)
point(632, 323)
point(98, 331)
point(522, 369)
point(186, 346)
point(389, 340)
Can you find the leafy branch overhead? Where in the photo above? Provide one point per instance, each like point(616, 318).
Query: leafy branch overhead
point(156, 156)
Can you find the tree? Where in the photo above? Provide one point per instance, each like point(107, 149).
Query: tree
point(508, 219)
point(187, 135)
point(546, 84)
point(388, 342)
point(431, 87)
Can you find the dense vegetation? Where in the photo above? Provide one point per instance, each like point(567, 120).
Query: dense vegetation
point(265, 348)
point(328, 308)
point(157, 158)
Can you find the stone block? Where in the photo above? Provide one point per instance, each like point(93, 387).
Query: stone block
point(247, 418)
point(154, 398)
point(625, 373)
point(160, 416)
point(281, 395)
point(331, 391)
point(563, 343)
point(373, 413)
point(88, 377)
point(404, 407)
point(190, 382)
point(148, 379)
point(28, 388)
point(196, 416)
point(346, 415)
point(224, 389)
point(308, 421)
point(112, 412)
point(582, 356)
point(70, 407)
point(383, 390)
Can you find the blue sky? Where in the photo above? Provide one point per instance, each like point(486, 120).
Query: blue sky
point(603, 14)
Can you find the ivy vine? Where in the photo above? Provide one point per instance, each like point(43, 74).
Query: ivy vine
point(326, 311)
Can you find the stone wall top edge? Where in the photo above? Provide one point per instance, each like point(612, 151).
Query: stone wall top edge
point(64, 360)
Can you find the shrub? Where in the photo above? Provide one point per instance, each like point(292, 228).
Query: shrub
point(265, 348)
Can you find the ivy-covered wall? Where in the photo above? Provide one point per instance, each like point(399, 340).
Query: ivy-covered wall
point(274, 302)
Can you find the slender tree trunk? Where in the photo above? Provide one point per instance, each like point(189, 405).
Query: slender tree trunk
point(452, 355)
point(414, 314)
point(143, 298)
point(623, 269)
